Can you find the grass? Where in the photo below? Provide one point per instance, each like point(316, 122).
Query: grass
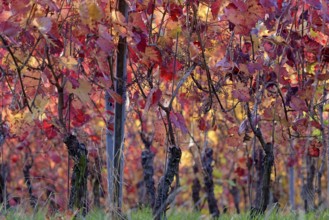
point(171, 215)
point(146, 214)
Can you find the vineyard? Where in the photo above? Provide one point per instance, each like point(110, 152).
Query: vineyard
point(211, 107)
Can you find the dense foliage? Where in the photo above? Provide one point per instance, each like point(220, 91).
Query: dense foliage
point(229, 91)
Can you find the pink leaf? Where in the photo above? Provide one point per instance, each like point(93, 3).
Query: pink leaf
point(315, 3)
point(241, 95)
point(105, 45)
point(55, 157)
point(43, 24)
point(178, 120)
point(298, 104)
point(9, 29)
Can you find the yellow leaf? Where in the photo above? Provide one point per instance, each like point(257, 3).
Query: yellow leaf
point(40, 104)
point(255, 42)
point(90, 11)
point(118, 17)
point(213, 136)
point(82, 91)
point(69, 62)
point(278, 40)
point(194, 51)
point(173, 29)
point(95, 12)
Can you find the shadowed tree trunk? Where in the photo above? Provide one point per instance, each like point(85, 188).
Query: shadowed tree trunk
point(259, 157)
point(174, 156)
point(308, 188)
point(96, 178)
point(78, 193)
point(27, 177)
point(234, 190)
point(245, 198)
point(207, 159)
point(196, 188)
point(264, 198)
point(267, 162)
point(4, 169)
point(148, 171)
point(141, 192)
point(50, 192)
point(323, 154)
point(291, 187)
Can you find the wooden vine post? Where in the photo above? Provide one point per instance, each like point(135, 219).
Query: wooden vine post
point(115, 141)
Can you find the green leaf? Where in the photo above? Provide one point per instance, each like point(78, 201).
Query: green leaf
point(316, 132)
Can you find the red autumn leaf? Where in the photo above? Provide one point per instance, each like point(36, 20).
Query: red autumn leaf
point(280, 4)
point(166, 75)
point(92, 152)
point(313, 151)
point(95, 138)
point(169, 69)
point(202, 124)
point(316, 124)
point(156, 96)
point(49, 129)
point(150, 7)
point(79, 117)
point(215, 6)
point(56, 46)
point(132, 54)
point(240, 171)
point(175, 11)
point(14, 158)
point(140, 39)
